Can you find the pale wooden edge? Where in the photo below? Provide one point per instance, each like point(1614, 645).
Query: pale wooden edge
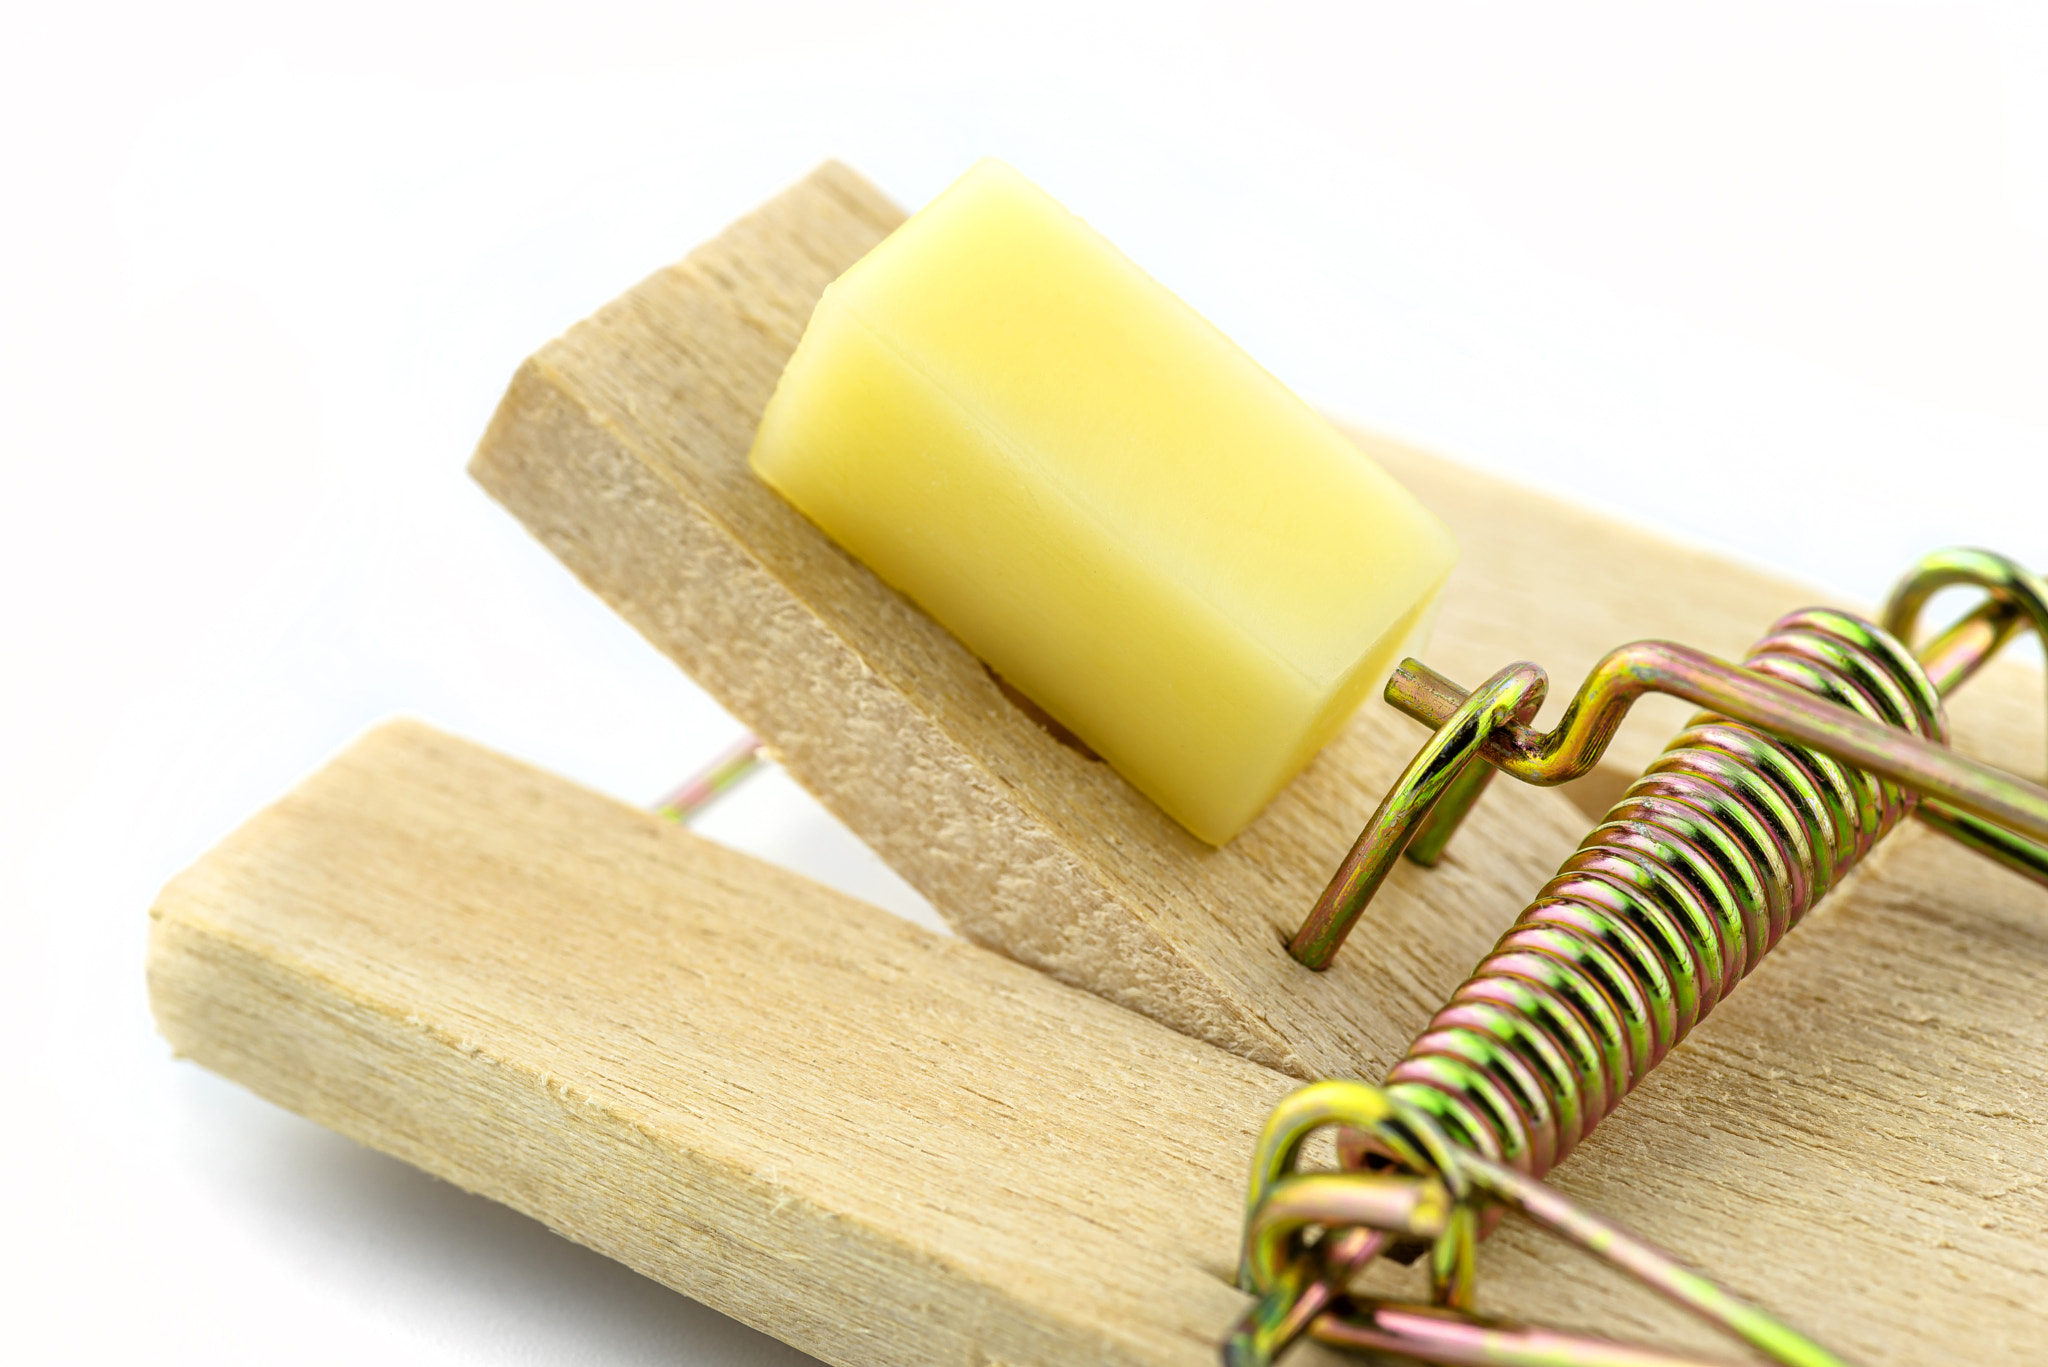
point(561, 1003)
point(1554, 582)
point(831, 720)
point(295, 959)
point(1023, 846)
point(621, 447)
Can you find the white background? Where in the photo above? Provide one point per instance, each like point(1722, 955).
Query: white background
point(1772, 277)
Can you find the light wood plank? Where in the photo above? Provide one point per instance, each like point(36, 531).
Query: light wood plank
point(1547, 580)
point(622, 446)
point(888, 1147)
point(879, 1144)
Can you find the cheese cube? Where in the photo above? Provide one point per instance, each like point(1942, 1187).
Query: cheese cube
point(1102, 497)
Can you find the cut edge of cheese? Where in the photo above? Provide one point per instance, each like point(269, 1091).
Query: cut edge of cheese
point(1207, 701)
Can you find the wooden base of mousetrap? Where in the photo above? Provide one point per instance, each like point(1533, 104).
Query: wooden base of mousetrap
point(887, 1148)
point(622, 446)
point(883, 1146)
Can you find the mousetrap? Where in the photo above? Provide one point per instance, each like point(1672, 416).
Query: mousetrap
point(1031, 1144)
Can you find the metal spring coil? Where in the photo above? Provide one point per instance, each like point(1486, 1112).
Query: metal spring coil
point(1708, 859)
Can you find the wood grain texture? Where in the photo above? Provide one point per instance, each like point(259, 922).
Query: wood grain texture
point(879, 1144)
point(888, 1147)
point(622, 446)
point(1550, 581)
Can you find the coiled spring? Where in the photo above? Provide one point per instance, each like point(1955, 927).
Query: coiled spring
point(1719, 849)
point(1828, 735)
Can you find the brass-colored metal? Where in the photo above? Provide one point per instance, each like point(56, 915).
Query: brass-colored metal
point(2015, 598)
point(1830, 733)
point(696, 793)
point(1784, 695)
point(1287, 1272)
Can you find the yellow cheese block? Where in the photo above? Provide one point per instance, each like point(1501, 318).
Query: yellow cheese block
point(1104, 498)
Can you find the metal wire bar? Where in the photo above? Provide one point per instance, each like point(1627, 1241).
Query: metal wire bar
point(1284, 1271)
point(1828, 735)
point(1571, 749)
point(2016, 597)
point(1434, 832)
point(1785, 709)
point(1424, 1333)
point(1507, 699)
point(713, 781)
point(2025, 857)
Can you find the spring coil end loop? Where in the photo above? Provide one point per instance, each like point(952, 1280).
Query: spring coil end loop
point(1702, 866)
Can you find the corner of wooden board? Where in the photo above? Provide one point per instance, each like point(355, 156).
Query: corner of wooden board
point(878, 1144)
point(622, 447)
point(886, 1146)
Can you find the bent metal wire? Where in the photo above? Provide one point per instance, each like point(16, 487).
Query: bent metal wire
point(1823, 740)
